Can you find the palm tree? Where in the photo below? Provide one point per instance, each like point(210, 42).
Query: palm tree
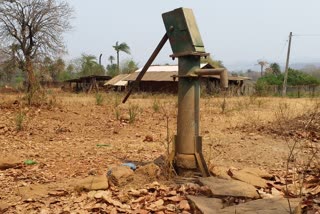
point(89, 66)
point(262, 64)
point(111, 58)
point(121, 47)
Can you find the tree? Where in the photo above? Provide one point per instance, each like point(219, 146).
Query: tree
point(262, 64)
point(89, 66)
point(129, 66)
point(111, 59)
point(121, 47)
point(275, 68)
point(112, 70)
point(35, 28)
point(295, 78)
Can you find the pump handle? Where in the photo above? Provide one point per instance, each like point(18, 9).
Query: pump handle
point(147, 65)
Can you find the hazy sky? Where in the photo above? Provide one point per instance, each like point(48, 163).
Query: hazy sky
point(236, 32)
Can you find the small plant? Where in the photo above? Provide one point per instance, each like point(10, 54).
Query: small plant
point(52, 101)
point(156, 105)
point(19, 121)
point(99, 99)
point(116, 101)
point(133, 112)
point(223, 106)
point(117, 113)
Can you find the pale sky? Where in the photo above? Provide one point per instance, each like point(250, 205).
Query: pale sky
point(237, 32)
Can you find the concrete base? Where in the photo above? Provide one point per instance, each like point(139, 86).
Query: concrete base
point(185, 161)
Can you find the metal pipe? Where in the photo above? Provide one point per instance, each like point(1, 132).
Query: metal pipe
point(148, 63)
point(216, 71)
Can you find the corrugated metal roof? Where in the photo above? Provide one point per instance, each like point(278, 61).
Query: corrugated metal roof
point(160, 68)
point(121, 83)
point(154, 76)
point(117, 80)
point(166, 73)
point(166, 68)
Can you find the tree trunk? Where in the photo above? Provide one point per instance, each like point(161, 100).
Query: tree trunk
point(118, 63)
point(32, 86)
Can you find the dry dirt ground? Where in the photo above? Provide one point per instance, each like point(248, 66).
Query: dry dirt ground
point(71, 138)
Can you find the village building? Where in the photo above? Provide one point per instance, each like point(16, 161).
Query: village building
point(164, 79)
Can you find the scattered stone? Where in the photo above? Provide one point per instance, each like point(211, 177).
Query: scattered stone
point(100, 194)
point(248, 178)
point(265, 206)
point(206, 205)
point(151, 170)
point(157, 205)
point(222, 187)
point(120, 176)
point(171, 207)
point(92, 183)
point(107, 198)
point(148, 138)
point(184, 205)
point(220, 172)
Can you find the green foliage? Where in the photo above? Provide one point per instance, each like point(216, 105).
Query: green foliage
point(112, 70)
point(30, 162)
point(275, 68)
point(133, 112)
point(99, 99)
point(89, 66)
point(129, 66)
point(122, 47)
point(295, 78)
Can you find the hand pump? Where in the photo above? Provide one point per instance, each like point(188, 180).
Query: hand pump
point(187, 46)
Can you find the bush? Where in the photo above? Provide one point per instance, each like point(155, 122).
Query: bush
point(295, 78)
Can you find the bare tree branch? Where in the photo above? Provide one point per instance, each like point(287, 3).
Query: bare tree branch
point(35, 28)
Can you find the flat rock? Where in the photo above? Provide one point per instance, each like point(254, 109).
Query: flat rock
point(93, 183)
point(206, 205)
point(248, 178)
point(222, 187)
point(258, 172)
point(265, 206)
point(220, 172)
point(9, 162)
point(33, 191)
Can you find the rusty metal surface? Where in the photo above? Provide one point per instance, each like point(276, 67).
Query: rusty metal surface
point(148, 63)
point(183, 32)
point(188, 106)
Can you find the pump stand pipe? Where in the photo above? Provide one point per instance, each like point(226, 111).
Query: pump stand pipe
point(224, 80)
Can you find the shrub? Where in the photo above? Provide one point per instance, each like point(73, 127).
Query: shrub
point(19, 121)
point(99, 99)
